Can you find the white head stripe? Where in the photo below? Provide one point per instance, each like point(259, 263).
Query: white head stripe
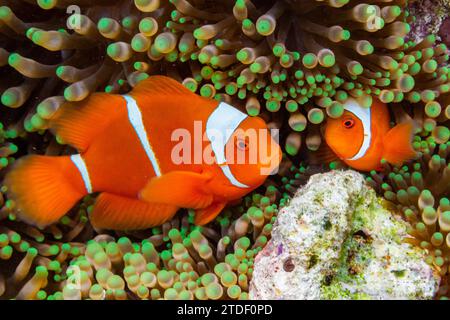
point(135, 117)
point(221, 125)
point(363, 114)
point(81, 166)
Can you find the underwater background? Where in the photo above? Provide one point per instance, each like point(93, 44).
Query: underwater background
point(291, 62)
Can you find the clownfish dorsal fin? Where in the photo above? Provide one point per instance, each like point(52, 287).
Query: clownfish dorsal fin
point(78, 123)
point(161, 86)
point(180, 188)
point(397, 143)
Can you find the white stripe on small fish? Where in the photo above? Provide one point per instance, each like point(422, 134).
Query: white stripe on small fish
point(81, 166)
point(363, 114)
point(224, 120)
point(135, 117)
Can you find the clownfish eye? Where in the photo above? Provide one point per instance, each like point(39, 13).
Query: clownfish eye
point(348, 123)
point(242, 144)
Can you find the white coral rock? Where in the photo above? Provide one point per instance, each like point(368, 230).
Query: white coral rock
point(336, 241)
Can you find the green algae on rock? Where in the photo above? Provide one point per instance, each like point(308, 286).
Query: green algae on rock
point(428, 16)
point(420, 192)
point(335, 240)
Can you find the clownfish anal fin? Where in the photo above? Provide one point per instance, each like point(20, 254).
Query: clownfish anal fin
point(116, 212)
point(78, 123)
point(181, 188)
point(203, 216)
point(397, 143)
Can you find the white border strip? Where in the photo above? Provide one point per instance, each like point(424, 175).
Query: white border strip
point(135, 117)
point(81, 166)
point(364, 114)
point(225, 119)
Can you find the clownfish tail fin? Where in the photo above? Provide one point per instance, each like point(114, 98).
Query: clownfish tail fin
point(397, 143)
point(43, 188)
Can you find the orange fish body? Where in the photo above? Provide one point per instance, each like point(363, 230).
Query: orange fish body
point(127, 153)
point(362, 137)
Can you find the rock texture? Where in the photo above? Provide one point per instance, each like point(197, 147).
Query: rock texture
point(429, 16)
point(336, 241)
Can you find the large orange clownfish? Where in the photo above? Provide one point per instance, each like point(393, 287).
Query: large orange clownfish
point(125, 146)
point(362, 137)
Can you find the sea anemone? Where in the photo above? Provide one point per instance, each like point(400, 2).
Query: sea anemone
point(178, 260)
point(291, 62)
point(276, 59)
point(420, 192)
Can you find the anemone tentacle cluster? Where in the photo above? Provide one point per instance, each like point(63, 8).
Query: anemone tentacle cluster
point(178, 260)
point(420, 191)
point(277, 59)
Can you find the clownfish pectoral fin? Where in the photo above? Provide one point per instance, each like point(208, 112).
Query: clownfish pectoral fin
point(397, 143)
point(322, 155)
point(116, 212)
point(180, 188)
point(203, 216)
point(43, 188)
point(77, 123)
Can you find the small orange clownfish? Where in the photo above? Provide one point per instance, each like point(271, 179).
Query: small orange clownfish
point(125, 153)
point(362, 137)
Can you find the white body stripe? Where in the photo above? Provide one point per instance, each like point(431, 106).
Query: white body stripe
point(81, 166)
point(135, 117)
point(221, 125)
point(363, 114)
point(227, 172)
